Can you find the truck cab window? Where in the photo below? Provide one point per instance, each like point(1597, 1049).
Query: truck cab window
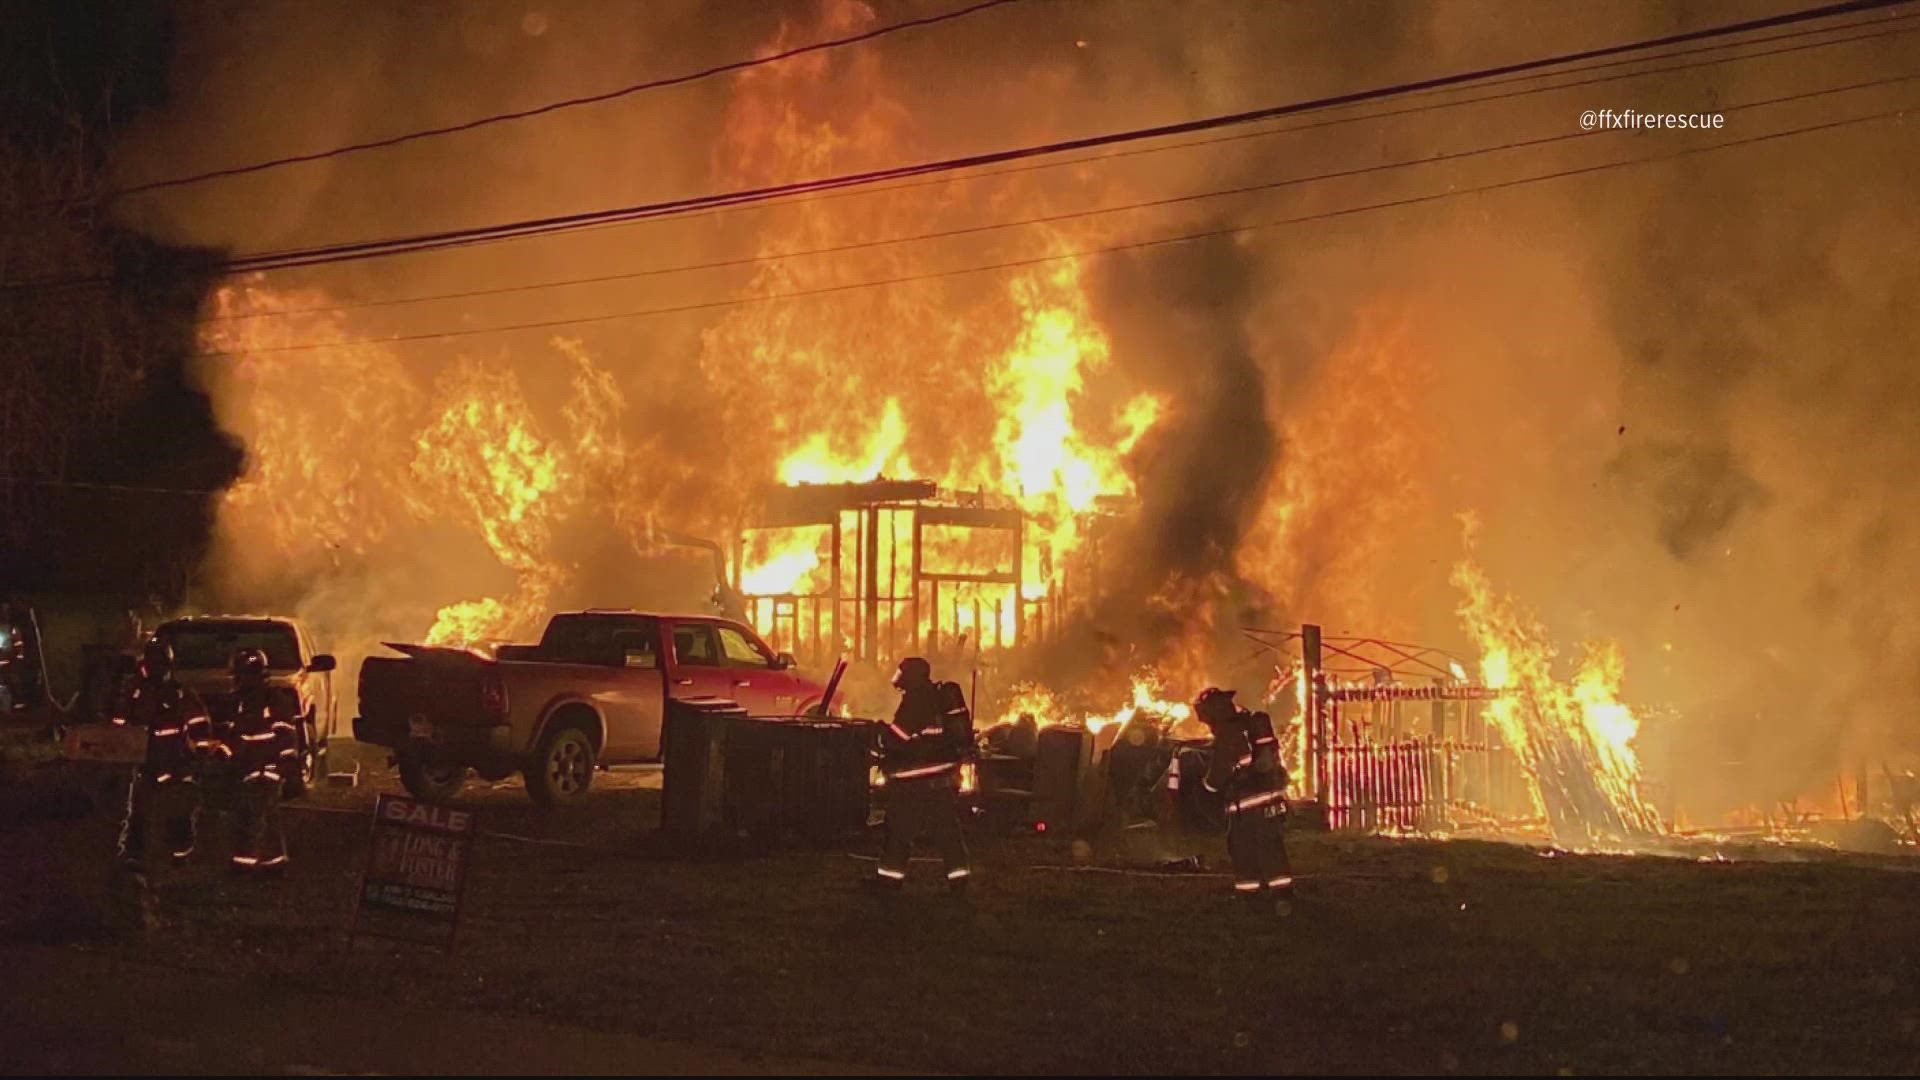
point(637, 649)
point(741, 651)
point(579, 641)
point(693, 645)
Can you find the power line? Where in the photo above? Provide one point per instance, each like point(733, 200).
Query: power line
point(544, 226)
point(1880, 23)
point(556, 106)
point(86, 486)
point(861, 245)
point(1012, 264)
point(939, 179)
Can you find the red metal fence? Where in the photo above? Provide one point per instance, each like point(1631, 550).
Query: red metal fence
point(1418, 784)
point(1395, 786)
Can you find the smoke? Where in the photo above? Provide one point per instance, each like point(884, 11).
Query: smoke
point(1678, 395)
point(1694, 493)
point(1177, 319)
point(1767, 452)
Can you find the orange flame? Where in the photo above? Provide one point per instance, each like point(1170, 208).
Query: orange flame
point(1574, 739)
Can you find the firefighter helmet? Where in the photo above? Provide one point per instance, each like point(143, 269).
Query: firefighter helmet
point(248, 666)
point(914, 671)
point(1214, 705)
point(156, 659)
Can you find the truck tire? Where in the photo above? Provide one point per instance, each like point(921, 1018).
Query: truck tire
point(309, 763)
point(562, 767)
point(431, 781)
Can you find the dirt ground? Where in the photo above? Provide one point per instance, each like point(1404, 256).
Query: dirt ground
point(1399, 955)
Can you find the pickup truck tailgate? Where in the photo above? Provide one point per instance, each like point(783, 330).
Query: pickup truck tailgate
point(447, 687)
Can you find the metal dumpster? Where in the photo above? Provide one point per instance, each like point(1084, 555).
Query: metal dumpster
point(764, 780)
point(693, 789)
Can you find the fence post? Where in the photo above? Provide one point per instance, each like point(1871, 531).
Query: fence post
point(1311, 715)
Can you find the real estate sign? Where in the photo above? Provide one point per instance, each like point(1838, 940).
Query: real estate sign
point(416, 871)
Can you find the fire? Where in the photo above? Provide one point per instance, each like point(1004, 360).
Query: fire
point(787, 562)
point(1032, 699)
point(978, 385)
point(1334, 529)
point(879, 453)
point(346, 448)
point(1041, 453)
point(315, 489)
point(467, 622)
point(1573, 739)
point(482, 453)
point(1046, 454)
point(1145, 697)
point(1044, 457)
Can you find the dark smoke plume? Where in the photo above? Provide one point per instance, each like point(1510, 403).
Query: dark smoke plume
point(1176, 319)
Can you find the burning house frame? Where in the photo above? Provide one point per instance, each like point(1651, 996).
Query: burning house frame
point(886, 568)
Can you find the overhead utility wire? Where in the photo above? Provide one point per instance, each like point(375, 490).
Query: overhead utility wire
point(1880, 23)
point(427, 241)
point(540, 226)
point(1237, 230)
point(29, 481)
point(779, 256)
point(556, 106)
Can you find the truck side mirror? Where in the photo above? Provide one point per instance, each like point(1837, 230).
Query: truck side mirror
point(322, 662)
point(783, 661)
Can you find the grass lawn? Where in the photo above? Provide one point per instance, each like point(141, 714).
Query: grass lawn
point(1399, 956)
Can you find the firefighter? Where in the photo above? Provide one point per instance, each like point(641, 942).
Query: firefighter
point(22, 684)
point(178, 731)
point(1245, 768)
point(921, 754)
point(259, 746)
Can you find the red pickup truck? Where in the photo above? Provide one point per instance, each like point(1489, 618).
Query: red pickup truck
point(592, 693)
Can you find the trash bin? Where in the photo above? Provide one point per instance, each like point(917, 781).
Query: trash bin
point(693, 787)
point(763, 780)
point(798, 778)
point(824, 769)
point(1062, 759)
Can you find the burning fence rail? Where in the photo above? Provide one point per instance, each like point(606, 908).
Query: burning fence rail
point(1419, 785)
point(1508, 750)
point(1421, 782)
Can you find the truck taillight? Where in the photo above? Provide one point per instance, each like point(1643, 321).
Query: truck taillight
point(493, 695)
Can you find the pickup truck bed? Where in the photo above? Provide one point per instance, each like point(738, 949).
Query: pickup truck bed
point(592, 693)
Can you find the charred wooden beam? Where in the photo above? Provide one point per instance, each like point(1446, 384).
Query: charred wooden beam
point(792, 505)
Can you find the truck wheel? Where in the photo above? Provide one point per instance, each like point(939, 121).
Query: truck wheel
point(431, 782)
point(562, 768)
point(309, 768)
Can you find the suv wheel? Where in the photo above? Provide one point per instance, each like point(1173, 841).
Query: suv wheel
point(430, 781)
point(562, 768)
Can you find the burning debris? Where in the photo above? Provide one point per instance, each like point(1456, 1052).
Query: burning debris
point(1146, 701)
point(1574, 739)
